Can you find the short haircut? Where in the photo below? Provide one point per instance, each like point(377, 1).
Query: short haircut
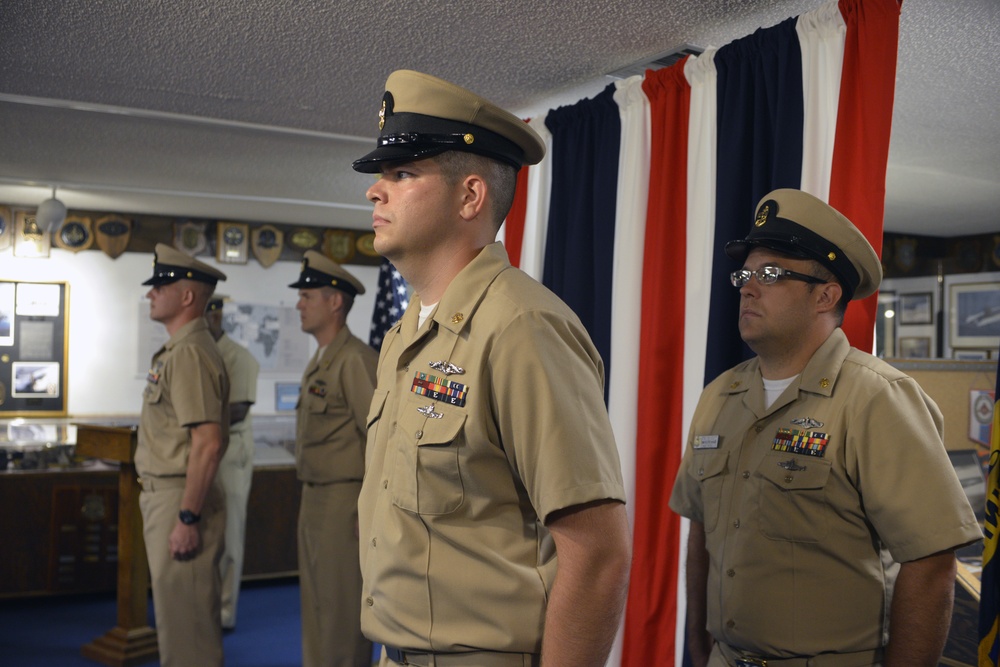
point(202, 291)
point(328, 292)
point(819, 271)
point(501, 178)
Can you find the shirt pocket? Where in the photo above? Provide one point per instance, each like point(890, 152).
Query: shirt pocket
point(427, 475)
point(708, 470)
point(793, 497)
point(315, 419)
point(153, 393)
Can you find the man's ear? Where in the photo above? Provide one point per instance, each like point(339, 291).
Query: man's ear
point(828, 296)
point(188, 295)
point(473, 194)
point(335, 299)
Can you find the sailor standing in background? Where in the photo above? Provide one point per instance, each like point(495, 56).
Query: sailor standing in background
point(236, 469)
point(183, 432)
point(335, 394)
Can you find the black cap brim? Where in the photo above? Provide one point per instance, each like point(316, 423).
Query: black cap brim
point(372, 162)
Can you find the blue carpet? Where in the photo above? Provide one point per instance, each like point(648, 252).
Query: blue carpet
point(49, 631)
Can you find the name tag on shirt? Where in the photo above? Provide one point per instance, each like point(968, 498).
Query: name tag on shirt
point(706, 442)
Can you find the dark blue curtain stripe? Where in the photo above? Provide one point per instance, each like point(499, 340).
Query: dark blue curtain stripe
point(580, 241)
point(760, 121)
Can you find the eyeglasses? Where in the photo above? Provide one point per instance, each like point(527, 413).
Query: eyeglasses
point(768, 275)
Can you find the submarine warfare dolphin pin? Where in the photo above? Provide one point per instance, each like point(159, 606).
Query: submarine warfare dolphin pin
point(446, 367)
point(428, 411)
point(791, 465)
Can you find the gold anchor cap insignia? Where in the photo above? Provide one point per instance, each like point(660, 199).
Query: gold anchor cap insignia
point(468, 138)
point(761, 216)
point(381, 116)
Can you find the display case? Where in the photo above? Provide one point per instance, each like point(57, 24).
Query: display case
point(61, 523)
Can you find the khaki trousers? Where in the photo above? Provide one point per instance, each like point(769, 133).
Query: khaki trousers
point(330, 577)
point(186, 594)
point(235, 475)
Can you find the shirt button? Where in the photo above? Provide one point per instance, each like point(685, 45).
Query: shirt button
point(701, 471)
point(746, 474)
point(730, 624)
point(369, 601)
point(730, 573)
point(406, 368)
point(736, 523)
point(758, 428)
point(373, 542)
point(385, 484)
point(419, 434)
point(788, 479)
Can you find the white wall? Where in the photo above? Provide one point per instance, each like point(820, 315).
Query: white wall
point(103, 319)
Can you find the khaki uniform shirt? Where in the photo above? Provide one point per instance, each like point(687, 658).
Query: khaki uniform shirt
point(333, 403)
point(242, 368)
point(484, 422)
point(186, 385)
point(809, 505)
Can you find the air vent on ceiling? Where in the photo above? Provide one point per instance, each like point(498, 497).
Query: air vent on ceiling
point(657, 62)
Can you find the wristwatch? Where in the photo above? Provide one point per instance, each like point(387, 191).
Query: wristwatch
point(189, 518)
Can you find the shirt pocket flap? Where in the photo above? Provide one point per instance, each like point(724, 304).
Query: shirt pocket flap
point(790, 472)
point(428, 429)
point(706, 465)
point(375, 409)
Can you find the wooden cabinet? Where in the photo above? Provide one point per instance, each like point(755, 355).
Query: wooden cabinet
point(60, 528)
point(272, 519)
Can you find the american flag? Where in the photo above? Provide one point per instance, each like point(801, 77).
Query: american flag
point(390, 303)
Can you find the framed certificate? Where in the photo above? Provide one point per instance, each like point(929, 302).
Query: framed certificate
point(233, 242)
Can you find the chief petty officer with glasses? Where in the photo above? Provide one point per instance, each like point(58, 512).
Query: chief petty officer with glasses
point(824, 511)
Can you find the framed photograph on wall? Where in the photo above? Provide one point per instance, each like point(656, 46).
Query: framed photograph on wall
point(916, 308)
point(971, 355)
point(34, 346)
point(915, 347)
point(973, 311)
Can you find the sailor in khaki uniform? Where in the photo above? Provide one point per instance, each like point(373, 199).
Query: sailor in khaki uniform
point(336, 391)
point(183, 432)
point(493, 525)
point(236, 468)
point(824, 510)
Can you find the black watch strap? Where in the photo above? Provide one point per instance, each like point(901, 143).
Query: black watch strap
point(189, 518)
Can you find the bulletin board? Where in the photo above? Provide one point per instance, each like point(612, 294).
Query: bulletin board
point(34, 327)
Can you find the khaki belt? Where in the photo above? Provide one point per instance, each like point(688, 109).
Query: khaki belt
point(465, 659)
point(162, 483)
point(740, 658)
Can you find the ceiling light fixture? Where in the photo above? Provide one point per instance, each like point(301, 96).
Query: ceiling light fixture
point(51, 213)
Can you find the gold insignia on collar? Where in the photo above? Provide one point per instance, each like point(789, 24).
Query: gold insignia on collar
point(381, 117)
point(735, 384)
point(468, 138)
point(824, 382)
point(761, 216)
point(457, 317)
